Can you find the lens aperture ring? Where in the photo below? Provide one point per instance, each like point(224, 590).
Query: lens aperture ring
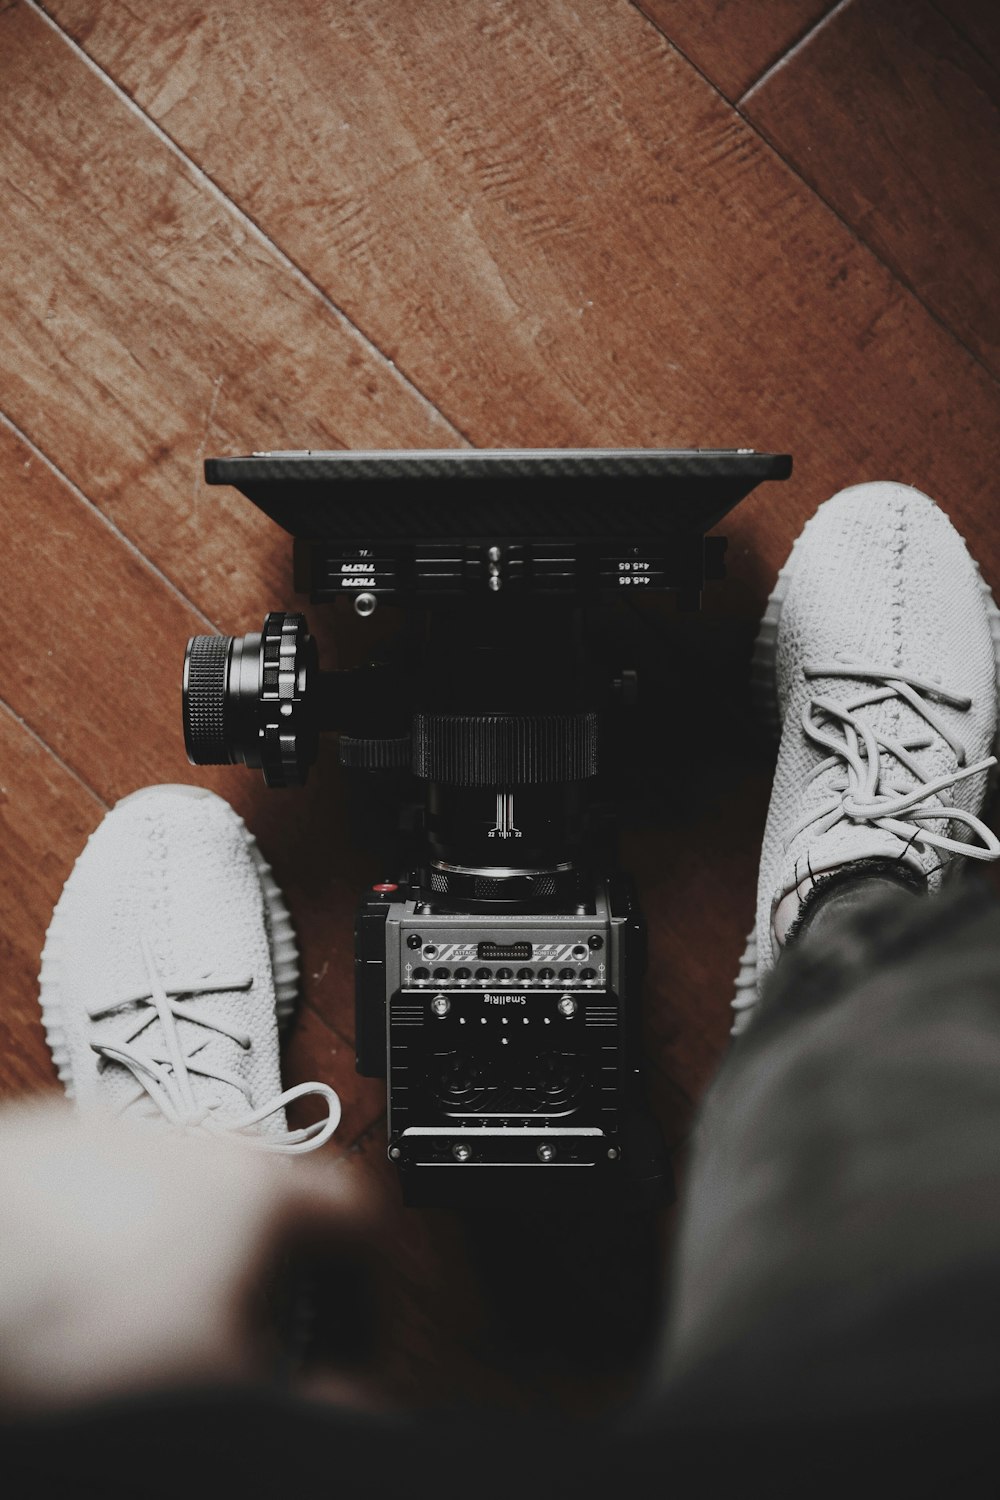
point(288, 732)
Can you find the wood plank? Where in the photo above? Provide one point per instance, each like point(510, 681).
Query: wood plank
point(733, 42)
point(97, 676)
point(563, 235)
point(979, 23)
point(313, 1050)
point(695, 292)
point(46, 815)
point(895, 119)
point(144, 324)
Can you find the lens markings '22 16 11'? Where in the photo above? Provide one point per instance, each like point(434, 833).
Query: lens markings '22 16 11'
point(504, 827)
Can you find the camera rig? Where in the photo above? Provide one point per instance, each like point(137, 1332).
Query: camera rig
point(499, 960)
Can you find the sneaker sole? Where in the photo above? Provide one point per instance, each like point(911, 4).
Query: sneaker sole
point(280, 935)
point(764, 703)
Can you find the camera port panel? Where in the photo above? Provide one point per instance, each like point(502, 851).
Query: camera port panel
point(493, 952)
point(450, 952)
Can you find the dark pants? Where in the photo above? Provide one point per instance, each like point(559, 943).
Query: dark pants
point(834, 1318)
point(836, 1286)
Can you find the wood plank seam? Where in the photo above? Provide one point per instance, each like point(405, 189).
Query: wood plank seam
point(795, 42)
point(206, 181)
point(115, 530)
point(786, 56)
point(44, 745)
point(637, 5)
point(897, 275)
point(790, 52)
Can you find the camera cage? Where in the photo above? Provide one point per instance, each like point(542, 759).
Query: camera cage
point(498, 560)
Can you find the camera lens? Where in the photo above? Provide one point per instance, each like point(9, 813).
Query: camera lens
point(246, 700)
point(507, 760)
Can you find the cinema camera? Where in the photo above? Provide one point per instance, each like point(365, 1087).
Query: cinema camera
point(499, 960)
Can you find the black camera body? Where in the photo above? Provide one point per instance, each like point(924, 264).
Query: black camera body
point(499, 959)
point(507, 1041)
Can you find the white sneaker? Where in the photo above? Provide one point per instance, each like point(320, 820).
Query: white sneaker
point(880, 654)
point(168, 964)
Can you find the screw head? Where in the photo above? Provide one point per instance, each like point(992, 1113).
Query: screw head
point(441, 1005)
point(566, 1006)
point(365, 605)
point(461, 1152)
point(394, 1153)
point(612, 1153)
point(546, 1152)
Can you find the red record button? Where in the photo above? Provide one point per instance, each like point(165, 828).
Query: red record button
point(386, 888)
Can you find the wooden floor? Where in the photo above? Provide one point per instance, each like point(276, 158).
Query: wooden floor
point(465, 222)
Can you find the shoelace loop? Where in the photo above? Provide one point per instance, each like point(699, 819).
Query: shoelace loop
point(167, 1080)
point(858, 748)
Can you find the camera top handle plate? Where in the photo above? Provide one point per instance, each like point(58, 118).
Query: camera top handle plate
point(586, 492)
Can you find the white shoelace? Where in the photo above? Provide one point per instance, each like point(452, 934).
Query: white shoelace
point(167, 1079)
point(861, 796)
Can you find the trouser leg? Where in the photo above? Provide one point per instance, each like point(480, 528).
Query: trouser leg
point(838, 1258)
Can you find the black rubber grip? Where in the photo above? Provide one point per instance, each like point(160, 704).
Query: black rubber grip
point(375, 754)
point(205, 668)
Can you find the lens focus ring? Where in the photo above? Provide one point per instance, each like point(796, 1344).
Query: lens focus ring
point(504, 749)
point(206, 664)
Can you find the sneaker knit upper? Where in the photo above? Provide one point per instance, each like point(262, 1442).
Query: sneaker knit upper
point(172, 870)
point(882, 582)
